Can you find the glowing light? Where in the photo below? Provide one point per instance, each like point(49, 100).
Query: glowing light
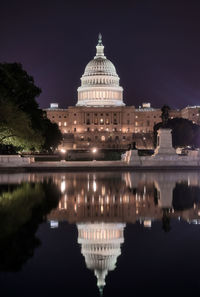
point(94, 150)
point(63, 186)
point(63, 150)
point(94, 186)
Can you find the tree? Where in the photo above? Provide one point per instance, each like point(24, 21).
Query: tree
point(31, 128)
point(52, 135)
point(184, 132)
point(15, 127)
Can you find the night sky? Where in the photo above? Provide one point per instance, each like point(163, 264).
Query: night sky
point(155, 46)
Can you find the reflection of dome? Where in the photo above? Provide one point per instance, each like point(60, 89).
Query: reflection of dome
point(100, 82)
point(100, 244)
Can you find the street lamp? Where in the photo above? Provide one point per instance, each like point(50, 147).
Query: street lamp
point(94, 150)
point(63, 154)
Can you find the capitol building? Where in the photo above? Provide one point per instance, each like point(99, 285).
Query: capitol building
point(101, 119)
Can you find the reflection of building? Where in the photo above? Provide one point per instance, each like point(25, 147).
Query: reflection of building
point(100, 245)
point(100, 117)
point(127, 197)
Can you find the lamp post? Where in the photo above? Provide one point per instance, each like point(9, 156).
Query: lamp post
point(63, 154)
point(94, 150)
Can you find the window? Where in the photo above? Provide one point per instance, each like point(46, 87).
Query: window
point(103, 138)
point(96, 137)
point(128, 122)
point(53, 117)
point(74, 129)
point(59, 124)
point(88, 129)
point(59, 117)
point(101, 122)
point(107, 121)
point(65, 123)
point(82, 138)
point(74, 114)
point(75, 122)
point(115, 122)
point(96, 121)
point(88, 122)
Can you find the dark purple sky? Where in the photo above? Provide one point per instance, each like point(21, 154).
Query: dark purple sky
point(155, 46)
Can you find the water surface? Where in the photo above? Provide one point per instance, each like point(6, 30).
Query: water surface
point(105, 233)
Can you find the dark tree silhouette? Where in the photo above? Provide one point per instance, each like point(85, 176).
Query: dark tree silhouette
point(18, 94)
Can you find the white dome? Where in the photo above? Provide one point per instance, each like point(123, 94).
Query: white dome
point(100, 82)
point(100, 66)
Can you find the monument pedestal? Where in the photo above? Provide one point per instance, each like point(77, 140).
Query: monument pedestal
point(164, 140)
point(134, 158)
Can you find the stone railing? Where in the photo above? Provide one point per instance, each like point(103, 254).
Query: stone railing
point(161, 160)
point(14, 160)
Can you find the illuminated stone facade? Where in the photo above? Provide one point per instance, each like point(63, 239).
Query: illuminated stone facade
point(101, 119)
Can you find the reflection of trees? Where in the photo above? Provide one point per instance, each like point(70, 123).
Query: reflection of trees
point(21, 211)
point(185, 196)
point(166, 220)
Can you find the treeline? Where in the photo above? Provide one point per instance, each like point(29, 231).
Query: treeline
point(23, 125)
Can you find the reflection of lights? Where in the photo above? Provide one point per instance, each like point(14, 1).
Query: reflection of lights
point(63, 186)
point(107, 199)
point(94, 186)
point(147, 223)
point(54, 224)
point(101, 208)
point(75, 208)
point(65, 201)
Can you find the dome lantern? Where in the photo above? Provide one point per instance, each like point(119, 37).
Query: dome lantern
point(100, 48)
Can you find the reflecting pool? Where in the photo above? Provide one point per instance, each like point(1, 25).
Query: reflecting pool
point(100, 234)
